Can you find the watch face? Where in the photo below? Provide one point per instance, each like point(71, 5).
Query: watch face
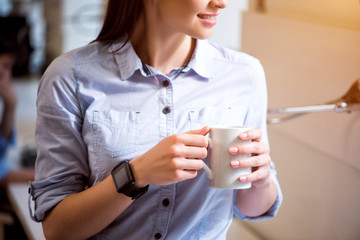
point(121, 176)
point(124, 181)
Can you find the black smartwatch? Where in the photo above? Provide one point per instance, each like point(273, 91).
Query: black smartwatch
point(125, 182)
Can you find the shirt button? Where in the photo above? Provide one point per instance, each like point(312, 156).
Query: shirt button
point(166, 202)
point(158, 236)
point(166, 110)
point(166, 83)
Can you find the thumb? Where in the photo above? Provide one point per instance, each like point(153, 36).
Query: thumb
point(203, 131)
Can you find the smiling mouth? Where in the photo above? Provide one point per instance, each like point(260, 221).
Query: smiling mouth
point(207, 17)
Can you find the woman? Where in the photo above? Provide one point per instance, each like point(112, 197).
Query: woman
point(142, 94)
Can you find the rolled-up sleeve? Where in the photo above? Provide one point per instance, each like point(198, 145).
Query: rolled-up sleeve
point(272, 211)
point(61, 167)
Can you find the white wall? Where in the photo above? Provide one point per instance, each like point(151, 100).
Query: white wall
point(82, 20)
point(228, 29)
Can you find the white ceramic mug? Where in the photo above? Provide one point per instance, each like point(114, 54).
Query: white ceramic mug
point(220, 173)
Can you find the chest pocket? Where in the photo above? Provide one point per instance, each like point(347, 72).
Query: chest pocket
point(208, 116)
point(115, 133)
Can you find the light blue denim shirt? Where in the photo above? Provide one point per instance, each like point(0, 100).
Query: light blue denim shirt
point(4, 145)
point(98, 106)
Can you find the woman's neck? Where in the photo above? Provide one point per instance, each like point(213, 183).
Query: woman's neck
point(163, 50)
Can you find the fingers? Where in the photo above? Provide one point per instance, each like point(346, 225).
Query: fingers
point(261, 169)
point(261, 174)
point(254, 161)
point(195, 153)
point(175, 158)
point(189, 164)
point(250, 148)
point(194, 138)
point(259, 161)
point(256, 146)
point(187, 152)
point(205, 130)
point(183, 169)
point(253, 135)
point(188, 174)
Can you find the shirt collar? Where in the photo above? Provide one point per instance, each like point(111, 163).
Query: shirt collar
point(126, 58)
point(202, 59)
point(129, 62)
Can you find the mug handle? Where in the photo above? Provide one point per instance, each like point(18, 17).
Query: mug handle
point(207, 170)
point(206, 167)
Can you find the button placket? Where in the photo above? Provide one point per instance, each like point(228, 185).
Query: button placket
point(166, 103)
point(164, 210)
point(167, 109)
point(166, 128)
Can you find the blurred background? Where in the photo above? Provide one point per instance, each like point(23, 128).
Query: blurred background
point(310, 51)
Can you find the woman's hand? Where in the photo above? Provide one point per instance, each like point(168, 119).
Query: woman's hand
point(174, 159)
point(7, 92)
point(259, 161)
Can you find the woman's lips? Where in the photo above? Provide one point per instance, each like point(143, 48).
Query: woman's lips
point(208, 19)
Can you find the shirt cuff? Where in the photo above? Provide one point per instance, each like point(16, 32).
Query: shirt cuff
point(269, 214)
point(47, 193)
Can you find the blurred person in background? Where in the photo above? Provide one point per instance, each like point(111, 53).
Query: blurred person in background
point(11, 44)
point(8, 100)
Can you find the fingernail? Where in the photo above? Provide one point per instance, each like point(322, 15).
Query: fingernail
point(244, 135)
point(233, 150)
point(243, 179)
point(235, 163)
point(206, 128)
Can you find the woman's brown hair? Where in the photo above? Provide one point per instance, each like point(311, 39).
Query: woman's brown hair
point(120, 19)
